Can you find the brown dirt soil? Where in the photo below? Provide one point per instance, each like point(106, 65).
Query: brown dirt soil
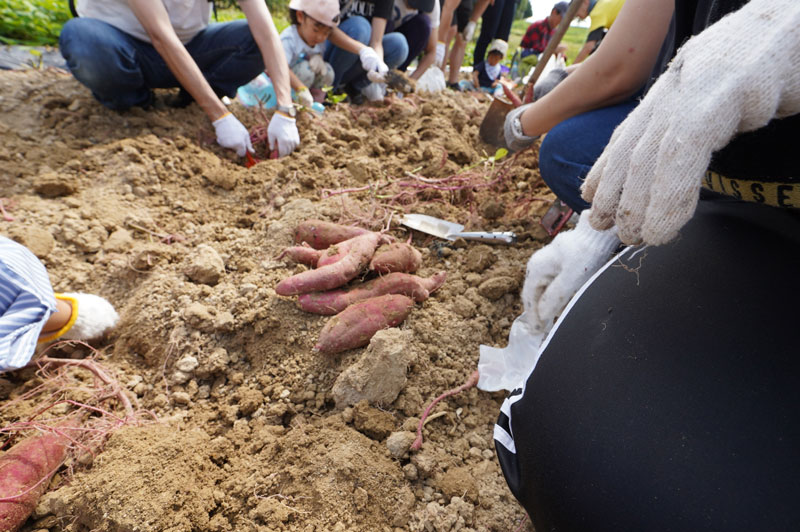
point(250, 435)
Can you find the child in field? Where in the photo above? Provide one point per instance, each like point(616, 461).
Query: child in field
point(487, 74)
point(31, 314)
point(304, 42)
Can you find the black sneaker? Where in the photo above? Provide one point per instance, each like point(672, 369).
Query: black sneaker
point(454, 86)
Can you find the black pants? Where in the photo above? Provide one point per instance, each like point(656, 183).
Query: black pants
point(667, 399)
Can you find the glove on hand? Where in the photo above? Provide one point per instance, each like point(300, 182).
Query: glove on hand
point(371, 62)
point(441, 48)
point(549, 82)
point(516, 140)
point(469, 31)
point(304, 97)
point(317, 65)
point(282, 134)
point(374, 92)
point(232, 134)
point(648, 178)
point(95, 316)
point(559, 269)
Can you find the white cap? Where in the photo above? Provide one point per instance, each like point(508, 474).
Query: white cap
point(498, 45)
point(323, 11)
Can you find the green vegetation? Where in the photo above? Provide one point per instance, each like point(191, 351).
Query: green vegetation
point(32, 22)
point(574, 38)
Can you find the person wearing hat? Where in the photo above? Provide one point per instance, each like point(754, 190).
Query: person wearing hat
point(603, 14)
point(123, 49)
point(304, 43)
point(487, 74)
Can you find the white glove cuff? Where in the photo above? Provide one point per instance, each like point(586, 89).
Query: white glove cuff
point(590, 238)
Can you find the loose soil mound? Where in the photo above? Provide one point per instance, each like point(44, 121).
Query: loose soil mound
point(146, 210)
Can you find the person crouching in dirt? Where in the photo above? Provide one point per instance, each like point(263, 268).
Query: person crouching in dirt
point(123, 49)
point(304, 43)
point(362, 36)
point(487, 75)
point(31, 314)
point(665, 397)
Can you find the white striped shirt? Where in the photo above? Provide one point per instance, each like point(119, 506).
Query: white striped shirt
point(26, 301)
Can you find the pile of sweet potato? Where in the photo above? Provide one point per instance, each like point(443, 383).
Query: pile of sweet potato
point(339, 254)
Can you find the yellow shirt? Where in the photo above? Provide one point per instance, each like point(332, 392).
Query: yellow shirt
point(605, 13)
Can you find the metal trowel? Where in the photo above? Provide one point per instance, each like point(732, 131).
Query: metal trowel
point(450, 230)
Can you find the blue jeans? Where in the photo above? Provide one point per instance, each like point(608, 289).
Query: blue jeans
point(347, 66)
point(569, 150)
point(121, 70)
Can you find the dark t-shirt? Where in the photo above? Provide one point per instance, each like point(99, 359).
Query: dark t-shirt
point(483, 77)
point(366, 8)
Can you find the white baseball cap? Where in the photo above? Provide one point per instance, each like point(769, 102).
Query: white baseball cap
point(498, 45)
point(323, 11)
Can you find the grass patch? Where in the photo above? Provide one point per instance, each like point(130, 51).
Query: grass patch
point(32, 22)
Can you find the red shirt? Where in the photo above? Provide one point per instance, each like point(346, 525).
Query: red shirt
point(537, 36)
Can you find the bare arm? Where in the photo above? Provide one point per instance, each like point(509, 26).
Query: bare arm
point(427, 59)
point(376, 39)
point(480, 7)
point(446, 19)
point(154, 19)
point(342, 40)
point(586, 49)
point(266, 36)
point(615, 72)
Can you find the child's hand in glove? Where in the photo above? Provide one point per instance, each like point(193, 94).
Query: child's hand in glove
point(559, 269)
point(317, 65)
point(91, 317)
point(647, 181)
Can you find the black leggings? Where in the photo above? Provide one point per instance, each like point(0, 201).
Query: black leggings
point(668, 397)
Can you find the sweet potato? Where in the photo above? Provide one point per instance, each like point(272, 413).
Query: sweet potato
point(357, 324)
point(321, 235)
point(304, 254)
point(335, 301)
point(396, 257)
point(360, 249)
point(25, 471)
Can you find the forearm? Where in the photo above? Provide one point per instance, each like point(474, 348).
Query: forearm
point(477, 11)
point(378, 31)
point(294, 81)
point(446, 19)
point(614, 73)
point(341, 40)
point(584, 52)
point(154, 18)
point(428, 58)
point(266, 36)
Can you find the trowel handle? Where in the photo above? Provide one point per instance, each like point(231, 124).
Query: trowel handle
point(566, 20)
point(504, 237)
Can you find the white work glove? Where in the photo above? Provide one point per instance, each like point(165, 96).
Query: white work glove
point(232, 134)
point(469, 31)
point(549, 82)
point(516, 140)
point(371, 62)
point(559, 269)
point(282, 134)
point(431, 81)
point(647, 181)
point(304, 97)
point(95, 316)
point(441, 48)
point(317, 65)
point(374, 92)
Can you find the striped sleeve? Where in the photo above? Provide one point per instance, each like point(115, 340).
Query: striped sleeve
point(26, 301)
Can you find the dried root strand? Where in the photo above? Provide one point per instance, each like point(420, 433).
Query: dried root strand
point(471, 382)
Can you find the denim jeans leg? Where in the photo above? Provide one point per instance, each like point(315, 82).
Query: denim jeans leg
point(345, 65)
point(107, 61)
point(570, 149)
point(227, 55)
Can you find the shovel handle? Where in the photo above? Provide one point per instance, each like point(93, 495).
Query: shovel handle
point(566, 20)
point(505, 237)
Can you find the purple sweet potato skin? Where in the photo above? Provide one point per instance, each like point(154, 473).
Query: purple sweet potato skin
point(396, 257)
point(335, 301)
point(357, 324)
point(321, 235)
point(302, 254)
point(332, 275)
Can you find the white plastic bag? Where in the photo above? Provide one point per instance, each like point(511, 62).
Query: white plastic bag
point(507, 368)
point(431, 81)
